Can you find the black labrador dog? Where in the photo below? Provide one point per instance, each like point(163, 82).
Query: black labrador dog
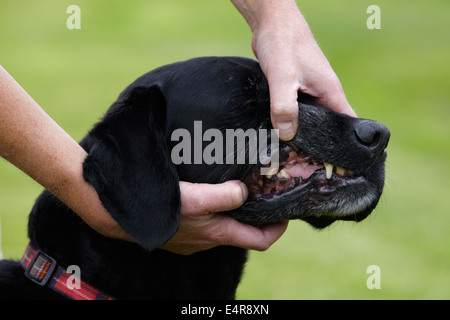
point(333, 169)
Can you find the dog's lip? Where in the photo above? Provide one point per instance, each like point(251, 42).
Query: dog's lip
point(276, 197)
point(317, 183)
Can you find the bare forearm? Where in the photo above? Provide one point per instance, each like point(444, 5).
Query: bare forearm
point(272, 12)
point(34, 143)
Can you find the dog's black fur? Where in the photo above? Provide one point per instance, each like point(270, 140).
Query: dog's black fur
point(129, 165)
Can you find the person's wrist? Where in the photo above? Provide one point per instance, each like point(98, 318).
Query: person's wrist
point(82, 198)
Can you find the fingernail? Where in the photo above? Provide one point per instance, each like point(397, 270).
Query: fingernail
point(244, 191)
point(286, 130)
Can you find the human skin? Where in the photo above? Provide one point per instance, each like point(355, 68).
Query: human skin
point(291, 60)
point(37, 145)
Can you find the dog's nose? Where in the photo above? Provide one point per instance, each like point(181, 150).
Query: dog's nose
point(371, 136)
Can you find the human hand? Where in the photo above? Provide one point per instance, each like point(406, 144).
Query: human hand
point(292, 61)
point(202, 226)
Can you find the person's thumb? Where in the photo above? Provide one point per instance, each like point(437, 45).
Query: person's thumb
point(204, 197)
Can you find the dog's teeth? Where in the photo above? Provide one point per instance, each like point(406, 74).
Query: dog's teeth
point(340, 171)
point(283, 174)
point(329, 169)
point(305, 164)
point(271, 172)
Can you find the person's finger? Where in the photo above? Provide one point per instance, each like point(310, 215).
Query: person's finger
point(203, 197)
point(249, 237)
point(329, 91)
point(283, 104)
point(337, 102)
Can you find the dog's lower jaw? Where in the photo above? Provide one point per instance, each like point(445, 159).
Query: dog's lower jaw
point(317, 200)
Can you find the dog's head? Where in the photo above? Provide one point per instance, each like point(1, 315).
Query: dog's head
point(333, 169)
point(182, 122)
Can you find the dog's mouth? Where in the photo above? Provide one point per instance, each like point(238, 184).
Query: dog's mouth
point(296, 170)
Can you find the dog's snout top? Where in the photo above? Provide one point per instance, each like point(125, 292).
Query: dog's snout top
point(371, 136)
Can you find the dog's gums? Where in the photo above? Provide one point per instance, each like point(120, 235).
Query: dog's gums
point(294, 171)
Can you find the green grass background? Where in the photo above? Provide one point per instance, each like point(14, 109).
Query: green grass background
point(398, 75)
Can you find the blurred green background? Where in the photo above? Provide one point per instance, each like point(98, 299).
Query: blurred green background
point(399, 75)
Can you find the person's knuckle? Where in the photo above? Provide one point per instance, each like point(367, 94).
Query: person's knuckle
point(196, 201)
point(283, 110)
point(218, 236)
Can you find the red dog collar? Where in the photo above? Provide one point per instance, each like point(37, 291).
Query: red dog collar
point(43, 270)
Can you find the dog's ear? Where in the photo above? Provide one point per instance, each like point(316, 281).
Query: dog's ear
point(129, 165)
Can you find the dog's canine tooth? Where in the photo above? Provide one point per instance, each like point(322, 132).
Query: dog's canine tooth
point(340, 171)
point(305, 164)
point(329, 169)
point(271, 172)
